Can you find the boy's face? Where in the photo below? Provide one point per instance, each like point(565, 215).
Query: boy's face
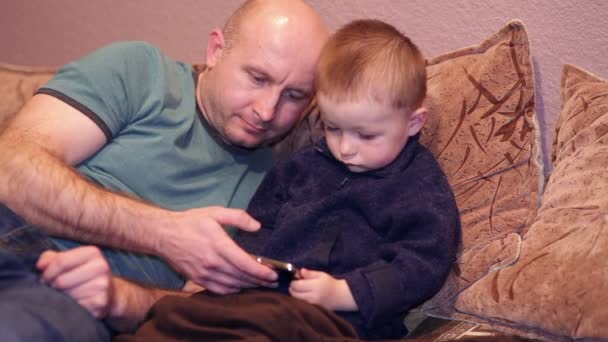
point(366, 135)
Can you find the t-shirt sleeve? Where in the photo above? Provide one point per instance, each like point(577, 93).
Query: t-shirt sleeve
point(112, 85)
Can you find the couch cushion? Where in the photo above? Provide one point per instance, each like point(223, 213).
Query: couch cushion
point(483, 130)
point(18, 84)
point(558, 289)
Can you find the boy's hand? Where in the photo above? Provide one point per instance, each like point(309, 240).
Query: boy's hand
point(83, 273)
point(322, 289)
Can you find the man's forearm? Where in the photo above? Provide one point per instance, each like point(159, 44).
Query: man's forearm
point(46, 192)
point(131, 302)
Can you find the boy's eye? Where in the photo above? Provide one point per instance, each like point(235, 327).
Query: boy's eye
point(367, 136)
point(330, 128)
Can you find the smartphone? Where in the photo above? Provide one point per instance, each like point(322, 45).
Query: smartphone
point(280, 266)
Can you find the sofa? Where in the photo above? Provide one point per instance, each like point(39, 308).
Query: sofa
point(533, 258)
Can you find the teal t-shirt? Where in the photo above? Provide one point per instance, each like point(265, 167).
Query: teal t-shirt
point(159, 146)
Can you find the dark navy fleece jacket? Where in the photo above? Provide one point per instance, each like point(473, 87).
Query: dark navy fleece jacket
point(391, 233)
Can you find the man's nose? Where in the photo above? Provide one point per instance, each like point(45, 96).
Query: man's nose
point(265, 107)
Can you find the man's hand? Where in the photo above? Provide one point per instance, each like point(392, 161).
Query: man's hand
point(83, 273)
point(191, 287)
point(322, 289)
point(198, 247)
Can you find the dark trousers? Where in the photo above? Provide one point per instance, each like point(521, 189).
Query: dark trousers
point(30, 310)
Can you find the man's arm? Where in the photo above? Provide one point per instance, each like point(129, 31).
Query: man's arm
point(37, 181)
point(37, 152)
point(131, 302)
point(84, 274)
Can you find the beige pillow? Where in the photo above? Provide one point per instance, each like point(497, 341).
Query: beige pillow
point(483, 130)
point(558, 289)
point(17, 85)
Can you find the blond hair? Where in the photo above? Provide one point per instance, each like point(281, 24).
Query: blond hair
point(370, 58)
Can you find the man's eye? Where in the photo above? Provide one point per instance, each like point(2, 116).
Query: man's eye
point(295, 95)
point(331, 129)
point(259, 79)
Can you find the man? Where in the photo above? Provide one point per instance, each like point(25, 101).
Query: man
point(125, 149)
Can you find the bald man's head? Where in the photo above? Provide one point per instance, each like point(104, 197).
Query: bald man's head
point(254, 11)
point(260, 70)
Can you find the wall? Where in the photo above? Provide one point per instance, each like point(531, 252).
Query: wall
point(42, 32)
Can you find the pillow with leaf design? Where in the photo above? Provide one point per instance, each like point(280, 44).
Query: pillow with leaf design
point(483, 131)
point(558, 289)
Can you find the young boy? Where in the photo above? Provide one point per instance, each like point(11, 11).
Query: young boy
point(367, 210)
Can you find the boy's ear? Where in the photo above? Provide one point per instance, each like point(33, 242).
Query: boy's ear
point(417, 121)
point(215, 46)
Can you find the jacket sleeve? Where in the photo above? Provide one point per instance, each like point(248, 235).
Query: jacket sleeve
point(421, 246)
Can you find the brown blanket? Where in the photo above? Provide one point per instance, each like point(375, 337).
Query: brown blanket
point(252, 315)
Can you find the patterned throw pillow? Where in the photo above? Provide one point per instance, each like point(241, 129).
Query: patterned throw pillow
point(558, 289)
point(483, 130)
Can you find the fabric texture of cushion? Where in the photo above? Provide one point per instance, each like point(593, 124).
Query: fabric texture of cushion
point(483, 131)
point(558, 288)
point(18, 84)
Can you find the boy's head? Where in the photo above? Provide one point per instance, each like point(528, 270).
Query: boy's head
point(371, 85)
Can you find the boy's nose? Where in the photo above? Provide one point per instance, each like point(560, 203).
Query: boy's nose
point(347, 148)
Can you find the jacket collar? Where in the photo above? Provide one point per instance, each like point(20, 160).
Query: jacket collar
point(400, 163)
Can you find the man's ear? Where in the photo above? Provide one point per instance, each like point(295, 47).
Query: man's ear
point(417, 121)
point(215, 46)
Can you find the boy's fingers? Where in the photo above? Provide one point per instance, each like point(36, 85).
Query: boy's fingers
point(306, 273)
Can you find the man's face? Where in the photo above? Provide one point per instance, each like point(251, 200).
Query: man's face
point(364, 135)
point(255, 93)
